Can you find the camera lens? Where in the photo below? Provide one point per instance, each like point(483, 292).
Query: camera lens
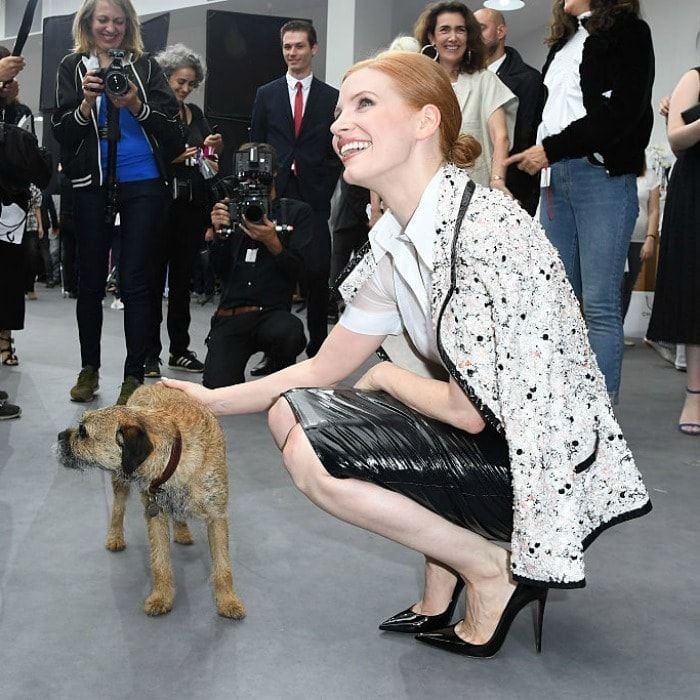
point(254, 213)
point(117, 83)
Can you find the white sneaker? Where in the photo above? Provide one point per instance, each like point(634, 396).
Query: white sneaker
point(680, 363)
point(117, 304)
point(665, 351)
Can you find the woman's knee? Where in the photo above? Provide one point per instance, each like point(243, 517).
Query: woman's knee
point(280, 420)
point(308, 474)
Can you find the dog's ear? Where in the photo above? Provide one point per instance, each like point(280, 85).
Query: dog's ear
point(135, 446)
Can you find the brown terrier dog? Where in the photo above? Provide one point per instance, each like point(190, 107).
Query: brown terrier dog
point(173, 449)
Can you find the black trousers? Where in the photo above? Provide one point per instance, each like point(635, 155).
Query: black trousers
point(317, 263)
point(183, 238)
point(232, 341)
point(68, 257)
point(32, 259)
point(634, 265)
point(142, 206)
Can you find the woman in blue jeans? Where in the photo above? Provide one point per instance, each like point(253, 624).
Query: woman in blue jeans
point(148, 138)
point(595, 126)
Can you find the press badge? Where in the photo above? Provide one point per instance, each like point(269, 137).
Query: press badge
point(545, 177)
point(251, 255)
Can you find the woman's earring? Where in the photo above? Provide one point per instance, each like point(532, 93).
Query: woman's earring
point(430, 50)
point(469, 55)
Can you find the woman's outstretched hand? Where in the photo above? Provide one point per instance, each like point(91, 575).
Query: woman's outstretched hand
point(194, 391)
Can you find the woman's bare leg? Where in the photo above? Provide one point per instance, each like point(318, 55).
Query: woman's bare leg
point(483, 565)
point(691, 406)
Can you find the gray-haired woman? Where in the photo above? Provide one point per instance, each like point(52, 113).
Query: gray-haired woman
point(188, 218)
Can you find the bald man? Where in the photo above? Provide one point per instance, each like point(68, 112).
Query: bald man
point(526, 83)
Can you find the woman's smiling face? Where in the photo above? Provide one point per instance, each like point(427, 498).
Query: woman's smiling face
point(374, 130)
point(450, 36)
point(108, 26)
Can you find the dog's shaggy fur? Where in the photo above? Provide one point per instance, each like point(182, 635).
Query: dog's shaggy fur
point(134, 443)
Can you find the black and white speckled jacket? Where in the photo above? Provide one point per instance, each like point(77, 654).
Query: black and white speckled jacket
point(79, 137)
point(509, 330)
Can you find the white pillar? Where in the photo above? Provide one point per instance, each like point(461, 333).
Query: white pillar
point(340, 52)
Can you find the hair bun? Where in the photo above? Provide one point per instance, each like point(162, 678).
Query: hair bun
point(465, 150)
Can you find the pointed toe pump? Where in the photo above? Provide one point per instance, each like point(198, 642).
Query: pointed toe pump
point(413, 622)
point(449, 640)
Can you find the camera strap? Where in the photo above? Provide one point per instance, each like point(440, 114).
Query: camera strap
point(112, 183)
point(25, 27)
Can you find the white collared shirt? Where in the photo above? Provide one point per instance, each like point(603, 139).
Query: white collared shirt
point(563, 80)
point(292, 88)
point(493, 67)
point(397, 296)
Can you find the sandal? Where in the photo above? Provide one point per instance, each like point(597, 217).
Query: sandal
point(690, 428)
point(7, 351)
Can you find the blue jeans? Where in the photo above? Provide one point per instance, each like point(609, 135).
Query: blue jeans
point(589, 218)
point(142, 211)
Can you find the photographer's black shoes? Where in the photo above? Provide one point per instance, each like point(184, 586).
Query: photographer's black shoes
point(187, 362)
point(151, 368)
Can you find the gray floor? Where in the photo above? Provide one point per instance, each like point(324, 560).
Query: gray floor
point(71, 623)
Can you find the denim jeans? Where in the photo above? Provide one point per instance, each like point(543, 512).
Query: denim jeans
point(142, 206)
point(589, 218)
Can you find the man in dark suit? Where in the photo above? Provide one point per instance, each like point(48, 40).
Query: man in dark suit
point(294, 114)
point(526, 83)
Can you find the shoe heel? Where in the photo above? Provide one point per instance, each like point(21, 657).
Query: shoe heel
point(539, 619)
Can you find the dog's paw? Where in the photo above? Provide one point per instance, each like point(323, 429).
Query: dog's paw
point(115, 542)
point(228, 605)
point(182, 534)
point(158, 604)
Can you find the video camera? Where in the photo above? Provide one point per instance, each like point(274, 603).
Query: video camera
point(250, 198)
point(248, 190)
point(115, 76)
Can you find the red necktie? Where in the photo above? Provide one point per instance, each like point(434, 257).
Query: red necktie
point(298, 109)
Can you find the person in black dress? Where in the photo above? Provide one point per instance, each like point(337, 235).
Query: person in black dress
point(675, 317)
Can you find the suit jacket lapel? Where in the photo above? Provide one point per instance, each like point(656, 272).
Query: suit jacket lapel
point(311, 102)
point(282, 95)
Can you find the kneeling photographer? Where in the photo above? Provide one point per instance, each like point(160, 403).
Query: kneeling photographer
point(258, 254)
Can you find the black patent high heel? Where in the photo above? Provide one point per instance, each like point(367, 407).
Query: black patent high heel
point(413, 622)
point(448, 639)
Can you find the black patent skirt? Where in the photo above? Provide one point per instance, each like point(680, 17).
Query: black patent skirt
point(371, 436)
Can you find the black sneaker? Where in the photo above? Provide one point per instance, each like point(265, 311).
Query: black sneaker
point(8, 410)
point(3, 396)
point(151, 368)
point(187, 362)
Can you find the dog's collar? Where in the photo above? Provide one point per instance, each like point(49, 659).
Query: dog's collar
point(152, 508)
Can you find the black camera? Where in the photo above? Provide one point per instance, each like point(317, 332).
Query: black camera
point(248, 190)
point(114, 76)
point(251, 198)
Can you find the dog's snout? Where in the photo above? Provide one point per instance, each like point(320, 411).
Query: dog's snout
point(63, 435)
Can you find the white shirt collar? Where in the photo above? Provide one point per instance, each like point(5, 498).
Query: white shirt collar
point(420, 230)
point(493, 67)
point(305, 82)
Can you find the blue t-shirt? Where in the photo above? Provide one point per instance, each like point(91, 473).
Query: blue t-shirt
point(135, 159)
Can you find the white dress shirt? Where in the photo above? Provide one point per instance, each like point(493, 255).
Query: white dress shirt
point(292, 88)
point(563, 80)
point(397, 296)
point(493, 67)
